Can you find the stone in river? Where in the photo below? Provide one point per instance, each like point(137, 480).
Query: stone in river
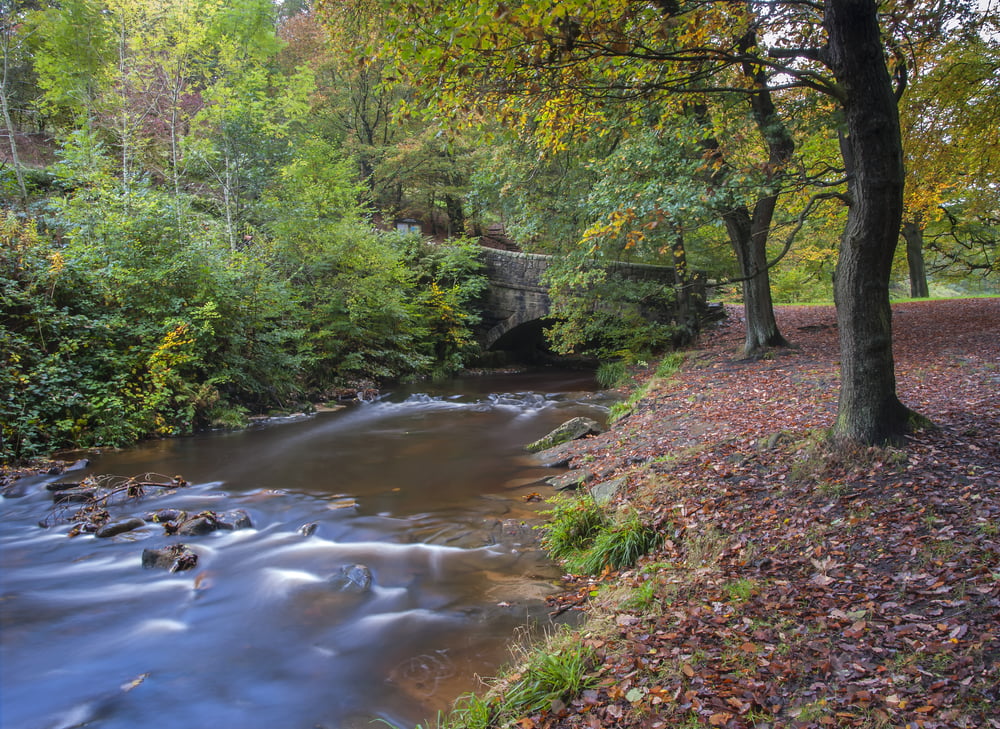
point(237, 519)
point(352, 578)
point(62, 485)
point(120, 527)
point(162, 516)
point(198, 526)
point(176, 558)
point(557, 457)
point(207, 522)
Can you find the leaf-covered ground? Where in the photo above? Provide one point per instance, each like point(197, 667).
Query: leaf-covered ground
point(800, 586)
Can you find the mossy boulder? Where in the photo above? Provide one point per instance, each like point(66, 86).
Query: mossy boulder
point(570, 430)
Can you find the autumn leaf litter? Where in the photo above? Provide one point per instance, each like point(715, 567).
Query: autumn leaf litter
point(800, 585)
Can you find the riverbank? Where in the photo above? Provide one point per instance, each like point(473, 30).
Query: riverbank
point(798, 586)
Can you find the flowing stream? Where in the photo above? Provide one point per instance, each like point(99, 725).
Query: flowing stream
point(426, 488)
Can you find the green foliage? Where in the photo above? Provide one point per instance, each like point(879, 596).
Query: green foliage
point(740, 590)
point(557, 670)
point(619, 410)
point(642, 598)
point(452, 283)
point(73, 47)
point(550, 675)
point(670, 365)
point(667, 368)
point(607, 315)
point(573, 524)
point(139, 317)
point(538, 196)
point(138, 324)
point(471, 712)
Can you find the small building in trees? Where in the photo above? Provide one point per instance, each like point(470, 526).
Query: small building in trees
point(409, 225)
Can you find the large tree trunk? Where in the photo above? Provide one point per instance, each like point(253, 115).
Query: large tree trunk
point(913, 234)
point(869, 411)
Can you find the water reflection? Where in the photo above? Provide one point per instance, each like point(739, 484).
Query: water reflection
point(425, 489)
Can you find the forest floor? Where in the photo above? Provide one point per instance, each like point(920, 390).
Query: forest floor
point(800, 585)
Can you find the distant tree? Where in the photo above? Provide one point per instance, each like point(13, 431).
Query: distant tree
point(951, 136)
point(412, 166)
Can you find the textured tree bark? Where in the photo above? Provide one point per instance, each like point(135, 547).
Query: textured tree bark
point(869, 411)
point(913, 234)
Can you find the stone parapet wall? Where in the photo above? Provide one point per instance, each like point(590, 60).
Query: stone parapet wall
point(517, 294)
point(513, 268)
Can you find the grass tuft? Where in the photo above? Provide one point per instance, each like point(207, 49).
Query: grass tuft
point(620, 545)
point(612, 374)
point(573, 524)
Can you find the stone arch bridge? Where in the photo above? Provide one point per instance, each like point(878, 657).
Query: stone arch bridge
point(517, 298)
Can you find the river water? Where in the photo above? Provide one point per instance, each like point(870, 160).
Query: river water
point(425, 487)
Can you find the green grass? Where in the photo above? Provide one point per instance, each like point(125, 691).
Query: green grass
point(612, 374)
point(893, 300)
point(556, 670)
point(740, 590)
point(586, 539)
point(641, 598)
point(670, 365)
point(573, 524)
point(619, 545)
point(548, 676)
point(667, 368)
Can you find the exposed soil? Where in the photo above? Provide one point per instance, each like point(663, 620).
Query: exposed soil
point(800, 585)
